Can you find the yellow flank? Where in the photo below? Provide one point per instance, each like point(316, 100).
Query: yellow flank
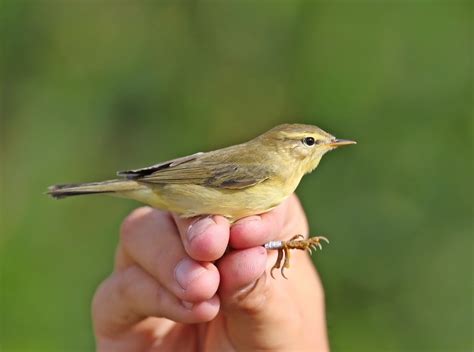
point(238, 181)
point(192, 200)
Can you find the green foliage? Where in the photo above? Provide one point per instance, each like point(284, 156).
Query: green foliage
point(93, 87)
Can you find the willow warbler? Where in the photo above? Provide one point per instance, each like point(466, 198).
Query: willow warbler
point(241, 180)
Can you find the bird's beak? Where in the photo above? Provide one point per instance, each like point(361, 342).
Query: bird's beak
point(340, 142)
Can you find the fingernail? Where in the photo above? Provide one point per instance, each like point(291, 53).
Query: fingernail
point(186, 271)
point(199, 226)
point(248, 219)
point(187, 305)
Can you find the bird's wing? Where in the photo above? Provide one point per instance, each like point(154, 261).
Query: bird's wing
point(145, 171)
point(202, 169)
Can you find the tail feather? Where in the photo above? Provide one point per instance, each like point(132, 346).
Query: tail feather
point(112, 186)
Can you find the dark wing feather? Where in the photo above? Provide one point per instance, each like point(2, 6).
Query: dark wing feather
point(202, 169)
point(233, 176)
point(137, 173)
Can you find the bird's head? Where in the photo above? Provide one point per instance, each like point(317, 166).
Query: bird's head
point(306, 144)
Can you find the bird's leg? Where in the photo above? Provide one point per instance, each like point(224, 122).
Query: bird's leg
point(283, 248)
point(278, 262)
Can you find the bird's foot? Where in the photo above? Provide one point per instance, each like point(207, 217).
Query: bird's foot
point(284, 247)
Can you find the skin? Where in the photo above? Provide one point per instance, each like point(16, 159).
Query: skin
point(174, 287)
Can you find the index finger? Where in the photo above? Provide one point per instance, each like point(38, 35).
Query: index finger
point(286, 220)
point(204, 238)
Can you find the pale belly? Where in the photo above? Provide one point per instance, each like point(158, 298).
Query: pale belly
point(192, 200)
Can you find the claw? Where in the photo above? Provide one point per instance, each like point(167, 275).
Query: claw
point(286, 260)
point(284, 248)
point(323, 238)
point(277, 262)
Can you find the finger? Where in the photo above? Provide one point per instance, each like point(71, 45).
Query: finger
point(255, 307)
point(249, 300)
point(279, 223)
point(129, 296)
point(150, 239)
point(204, 238)
point(241, 268)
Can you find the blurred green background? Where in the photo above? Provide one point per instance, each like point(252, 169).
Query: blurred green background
point(91, 87)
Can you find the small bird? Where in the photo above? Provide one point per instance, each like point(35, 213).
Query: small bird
point(241, 180)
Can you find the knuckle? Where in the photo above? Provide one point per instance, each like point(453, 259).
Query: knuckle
point(157, 309)
point(100, 295)
point(133, 280)
point(126, 281)
point(132, 221)
point(136, 287)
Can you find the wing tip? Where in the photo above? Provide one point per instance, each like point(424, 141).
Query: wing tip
point(130, 174)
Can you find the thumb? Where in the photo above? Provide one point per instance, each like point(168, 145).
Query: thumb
point(254, 306)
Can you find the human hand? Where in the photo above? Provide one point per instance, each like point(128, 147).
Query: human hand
point(174, 286)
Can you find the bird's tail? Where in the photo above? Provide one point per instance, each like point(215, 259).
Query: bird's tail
point(112, 186)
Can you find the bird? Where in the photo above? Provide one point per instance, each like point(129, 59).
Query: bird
point(241, 180)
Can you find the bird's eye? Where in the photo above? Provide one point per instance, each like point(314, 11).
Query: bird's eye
point(309, 141)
